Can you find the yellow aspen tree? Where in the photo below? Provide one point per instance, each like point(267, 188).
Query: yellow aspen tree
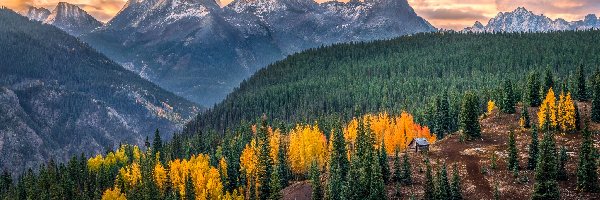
point(547, 113)
point(274, 141)
point(160, 176)
point(350, 134)
point(568, 120)
point(111, 159)
point(380, 126)
point(94, 163)
point(178, 174)
point(249, 163)
point(307, 144)
point(491, 105)
point(131, 175)
point(223, 168)
point(396, 132)
point(113, 194)
point(205, 178)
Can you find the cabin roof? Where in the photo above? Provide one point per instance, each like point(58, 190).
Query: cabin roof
point(420, 141)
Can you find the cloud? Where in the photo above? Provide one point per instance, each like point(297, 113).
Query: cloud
point(451, 14)
point(16, 4)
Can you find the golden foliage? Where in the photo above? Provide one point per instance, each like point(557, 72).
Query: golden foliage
point(395, 132)
point(223, 168)
point(249, 159)
point(491, 105)
point(111, 159)
point(160, 176)
point(206, 179)
point(274, 141)
point(131, 175)
point(547, 112)
point(566, 113)
point(307, 144)
point(178, 173)
point(350, 132)
point(113, 194)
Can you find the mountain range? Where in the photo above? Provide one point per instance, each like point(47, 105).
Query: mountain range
point(59, 98)
point(201, 51)
point(65, 16)
point(523, 20)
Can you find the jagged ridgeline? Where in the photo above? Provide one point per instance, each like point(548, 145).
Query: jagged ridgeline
point(59, 98)
point(405, 73)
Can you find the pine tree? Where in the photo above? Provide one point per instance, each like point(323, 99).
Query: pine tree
point(595, 113)
point(283, 169)
point(513, 162)
point(469, 116)
point(562, 163)
point(377, 185)
point(546, 186)
point(533, 149)
point(315, 181)
point(548, 82)
point(587, 176)
point(397, 177)
point(429, 183)
point(360, 168)
point(275, 184)
point(532, 93)
point(443, 186)
point(508, 103)
point(383, 163)
point(157, 142)
point(406, 175)
point(581, 88)
point(443, 116)
point(455, 189)
point(577, 117)
point(338, 166)
point(264, 162)
point(189, 189)
point(496, 192)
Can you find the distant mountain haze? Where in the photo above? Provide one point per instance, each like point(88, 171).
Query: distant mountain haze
point(202, 51)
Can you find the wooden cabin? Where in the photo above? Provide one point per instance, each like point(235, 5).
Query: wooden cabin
point(419, 144)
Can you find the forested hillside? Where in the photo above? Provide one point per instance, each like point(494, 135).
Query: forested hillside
point(59, 97)
point(406, 73)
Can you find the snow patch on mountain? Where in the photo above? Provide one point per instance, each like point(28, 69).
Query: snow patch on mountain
point(523, 20)
point(34, 13)
point(65, 16)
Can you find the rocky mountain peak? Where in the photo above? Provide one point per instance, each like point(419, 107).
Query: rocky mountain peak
point(523, 20)
point(35, 13)
point(72, 19)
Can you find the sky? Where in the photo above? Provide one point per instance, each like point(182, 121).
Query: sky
point(448, 14)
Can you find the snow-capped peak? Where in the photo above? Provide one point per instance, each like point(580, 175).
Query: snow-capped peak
point(72, 19)
point(523, 20)
point(34, 13)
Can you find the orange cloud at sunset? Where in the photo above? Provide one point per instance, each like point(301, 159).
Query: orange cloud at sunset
point(449, 14)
